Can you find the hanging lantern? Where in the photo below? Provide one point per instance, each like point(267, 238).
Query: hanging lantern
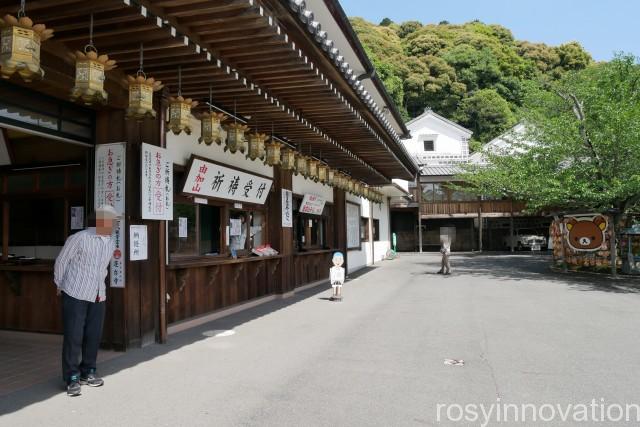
point(312, 169)
point(210, 128)
point(357, 187)
point(339, 180)
point(288, 159)
point(301, 164)
point(141, 91)
point(90, 68)
point(365, 193)
point(235, 137)
point(351, 185)
point(331, 177)
point(256, 146)
point(180, 114)
point(273, 153)
point(322, 173)
point(20, 51)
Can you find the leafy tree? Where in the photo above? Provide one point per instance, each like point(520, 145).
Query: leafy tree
point(439, 66)
point(586, 148)
point(486, 113)
point(386, 22)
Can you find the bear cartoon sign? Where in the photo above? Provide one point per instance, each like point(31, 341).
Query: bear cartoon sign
point(586, 234)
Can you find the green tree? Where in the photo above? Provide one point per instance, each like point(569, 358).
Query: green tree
point(486, 113)
point(386, 22)
point(586, 148)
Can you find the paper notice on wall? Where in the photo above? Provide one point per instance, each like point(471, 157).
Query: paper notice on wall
point(182, 227)
point(138, 242)
point(236, 227)
point(77, 217)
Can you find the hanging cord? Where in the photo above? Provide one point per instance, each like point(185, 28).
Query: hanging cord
point(90, 46)
point(21, 11)
point(140, 71)
point(179, 80)
point(210, 98)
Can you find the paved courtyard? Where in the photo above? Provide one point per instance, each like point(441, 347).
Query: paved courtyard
point(527, 336)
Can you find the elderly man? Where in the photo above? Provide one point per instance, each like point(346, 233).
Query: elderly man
point(445, 251)
point(79, 275)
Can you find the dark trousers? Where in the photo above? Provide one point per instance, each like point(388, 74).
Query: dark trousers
point(82, 325)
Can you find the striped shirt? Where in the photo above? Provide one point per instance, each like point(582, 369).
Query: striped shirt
point(81, 266)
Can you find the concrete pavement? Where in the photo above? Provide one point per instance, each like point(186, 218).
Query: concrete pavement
point(376, 359)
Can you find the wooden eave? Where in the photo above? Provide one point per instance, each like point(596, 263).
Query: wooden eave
point(245, 55)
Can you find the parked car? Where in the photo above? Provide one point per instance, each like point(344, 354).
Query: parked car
point(526, 239)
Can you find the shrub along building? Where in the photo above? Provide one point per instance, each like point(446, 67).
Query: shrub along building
point(243, 140)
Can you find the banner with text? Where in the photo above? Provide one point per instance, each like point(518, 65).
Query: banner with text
point(110, 190)
point(157, 183)
point(312, 204)
point(213, 180)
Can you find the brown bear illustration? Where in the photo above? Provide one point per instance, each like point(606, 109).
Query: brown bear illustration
point(586, 234)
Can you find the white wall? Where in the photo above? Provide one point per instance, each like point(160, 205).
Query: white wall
point(448, 140)
point(360, 258)
point(302, 186)
point(181, 147)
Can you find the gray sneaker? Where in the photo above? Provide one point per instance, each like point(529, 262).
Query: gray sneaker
point(91, 380)
point(73, 388)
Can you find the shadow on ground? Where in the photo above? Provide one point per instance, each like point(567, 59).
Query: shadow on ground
point(510, 267)
point(51, 387)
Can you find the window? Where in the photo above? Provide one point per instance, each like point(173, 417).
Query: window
point(376, 230)
point(195, 230)
point(429, 145)
point(238, 230)
point(310, 231)
point(364, 229)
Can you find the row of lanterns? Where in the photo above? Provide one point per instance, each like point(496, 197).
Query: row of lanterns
point(20, 41)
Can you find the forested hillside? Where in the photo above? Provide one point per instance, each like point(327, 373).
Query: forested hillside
point(473, 73)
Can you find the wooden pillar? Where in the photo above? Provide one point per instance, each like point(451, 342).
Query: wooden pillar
point(371, 239)
point(161, 298)
point(340, 225)
point(281, 237)
point(419, 197)
point(5, 230)
point(511, 227)
point(479, 224)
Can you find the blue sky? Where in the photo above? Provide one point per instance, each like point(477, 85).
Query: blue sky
point(601, 26)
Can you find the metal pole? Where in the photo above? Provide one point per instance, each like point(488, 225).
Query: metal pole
point(613, 246)
point(511, 228)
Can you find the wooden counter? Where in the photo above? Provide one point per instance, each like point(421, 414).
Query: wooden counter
point(28, 300)
point(313, 265)
point(199, 286)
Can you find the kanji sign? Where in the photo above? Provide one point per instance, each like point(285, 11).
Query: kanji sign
point(213, 180)
point(287, 208)
point(138, 242)
point(157, 183)
point(312, 204)
point(110, 190)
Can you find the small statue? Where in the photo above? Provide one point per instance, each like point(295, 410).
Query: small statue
point(336, 276)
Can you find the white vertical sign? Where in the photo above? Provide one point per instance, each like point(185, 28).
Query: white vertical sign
point(138, 242)
point(287, 208)
point(156, 183)
point(110, 190)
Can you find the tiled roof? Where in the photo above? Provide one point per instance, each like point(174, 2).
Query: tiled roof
point(440, 170)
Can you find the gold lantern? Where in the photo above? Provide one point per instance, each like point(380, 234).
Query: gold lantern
point(90, 68)
point(256, 146)
point(235, 137)
point(20, 51)
point(141, 91)
point(180, 114)
point(301, 164)
point(273, 153)
point(288, 159)
point(322, 173)
point(210, 127)
point(331, 176)
point(312, 169)
point(357, 187)
point(351, 184)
